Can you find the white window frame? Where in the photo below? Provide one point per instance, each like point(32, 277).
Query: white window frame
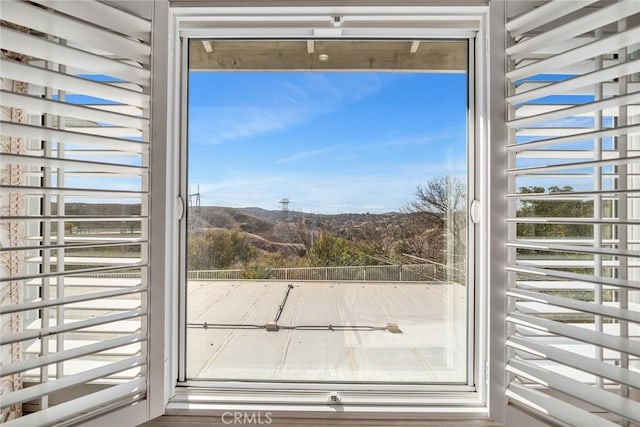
point(490, 132)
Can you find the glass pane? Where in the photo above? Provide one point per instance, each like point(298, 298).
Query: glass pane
point(327, 226)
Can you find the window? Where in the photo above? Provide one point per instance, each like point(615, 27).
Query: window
point(89, 44)
point(81, 53)
point(564, 261)
point(327, 212)
point(218, 26)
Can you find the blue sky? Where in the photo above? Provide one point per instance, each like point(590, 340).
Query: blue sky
point(330, 142)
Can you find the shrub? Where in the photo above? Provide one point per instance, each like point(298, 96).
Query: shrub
point(256, 270)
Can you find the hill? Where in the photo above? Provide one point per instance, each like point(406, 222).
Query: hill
point(274, 225)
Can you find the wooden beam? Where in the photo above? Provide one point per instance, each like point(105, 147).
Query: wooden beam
point(414, 46)
point(432, 56)
point(310, 46)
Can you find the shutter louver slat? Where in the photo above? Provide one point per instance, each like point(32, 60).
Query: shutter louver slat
point(586, 307)
point(128, 392)
point(622, 130)
point(76, 138)
point(598, 280)
point(64, 355)
point(578, 54)
point(69, 327)
point(548, 11)
point(133, 242)
point(631, 98)
point(118, 20)
point(576, 333)
point(33, 392)
point(575, 165)
point(72, 218)
point(555, 408)
point(549, 220)
point(606, 74)
point(44, 106)
point(573, 324)
point(90, 63)
point(609, 401)
point(608, 88)
point(573, 28)
point(78, 192)
point(77, 271)
point(569, 194)
point(527, 244)
point(574, 360)
point(104, 167)
point(83, 33)
point(74, 87)
point(68, 300)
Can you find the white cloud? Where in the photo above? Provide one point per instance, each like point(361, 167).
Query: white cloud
point(373, 190)
point(361, 187)
point(305, 154)
point(289, 101)
point(568, 122)
point(215, 125)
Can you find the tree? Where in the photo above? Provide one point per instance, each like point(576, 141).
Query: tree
point(300, 231)
point(554, 208)
point(439, 209)
point(419, 238)
point(441, 202)
point(219, 249)
point(329, 250)
point(441, 197)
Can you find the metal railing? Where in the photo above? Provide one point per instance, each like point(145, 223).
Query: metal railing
point(374, 273)
point(111, 275)
point(383, 273)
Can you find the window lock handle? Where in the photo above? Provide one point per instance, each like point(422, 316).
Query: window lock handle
point(180, 210)
point(474, 211)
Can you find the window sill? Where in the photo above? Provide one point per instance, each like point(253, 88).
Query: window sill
point(289, 421)
point(315, 404)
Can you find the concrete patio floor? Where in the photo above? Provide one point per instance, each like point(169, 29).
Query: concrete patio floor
point(431, 347)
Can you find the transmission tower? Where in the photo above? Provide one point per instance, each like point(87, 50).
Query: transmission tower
point(194, 196)
point(284, 208)
point(194, 199)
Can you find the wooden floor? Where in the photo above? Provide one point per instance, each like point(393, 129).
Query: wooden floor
point(431, 347)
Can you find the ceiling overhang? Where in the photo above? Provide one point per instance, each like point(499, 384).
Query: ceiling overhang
point(327, 55)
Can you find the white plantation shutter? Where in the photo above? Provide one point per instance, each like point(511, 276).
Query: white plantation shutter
point(573, 320)
point(74, 221)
